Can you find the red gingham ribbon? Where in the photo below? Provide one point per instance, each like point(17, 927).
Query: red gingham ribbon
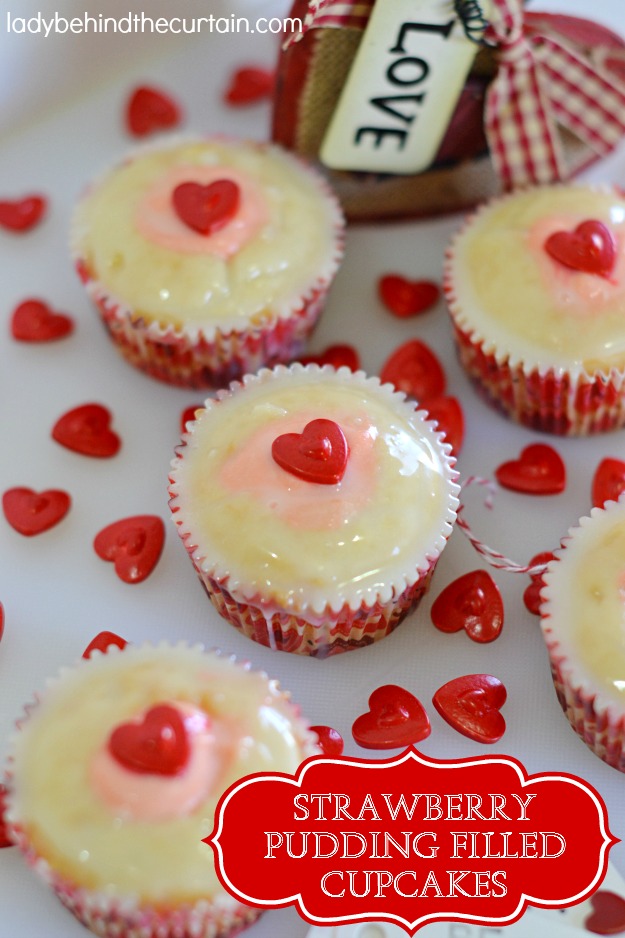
point(352, 14)
point(541, 85)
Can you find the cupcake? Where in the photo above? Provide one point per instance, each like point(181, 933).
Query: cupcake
point(535, 283)
point(208, 258)
point(314, 504)
point(115, 775)
point(582, 614)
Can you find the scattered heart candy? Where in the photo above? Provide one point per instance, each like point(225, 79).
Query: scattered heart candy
point(29, 512)
point(330, 740)
point(335, 355)
point(34, 321)
point(414, 369)
point(5, 840)
point(531, 595)
point(590, 248)
point(608, 481)
point(450, 419)
point(149, 110)
point(538, 471)
point(86, 430)
point(395, 719)
point(471, 705)
point(188, 415)
point(473, 603)
point(608, 915)
point(156, 745)
point(318, 454)
point(133, 544)
point(248, 85)
point(405, 298)
point(102, 642)
point(206, 209)
point(22, 214)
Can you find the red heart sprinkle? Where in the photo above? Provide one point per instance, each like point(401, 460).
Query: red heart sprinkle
point(188, 415)
point(538, 471)
point(86, 430)
point(395, 719)
point(414, 369)
point(406, 298)
point(608, 915)
point(149, 110)
point(156, 745)
point(133, 545)
point(102, 642)
point(206, 209)
point(22, 214)
point(330, 740)
point(34, 321)
point(591, 248)
point(531, 595)
point(471, 705)
point(318, 454)
point(450, 419)
point(248, 85)
point(608, 481)
point(473, 603)
point(30, 512)
point(335, 355)
point(5, 840)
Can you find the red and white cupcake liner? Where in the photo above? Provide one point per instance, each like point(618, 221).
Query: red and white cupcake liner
point(352, 622)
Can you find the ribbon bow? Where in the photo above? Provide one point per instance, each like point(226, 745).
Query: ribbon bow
point(541, 86)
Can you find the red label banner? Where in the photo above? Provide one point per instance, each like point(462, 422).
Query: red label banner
point(411, 840)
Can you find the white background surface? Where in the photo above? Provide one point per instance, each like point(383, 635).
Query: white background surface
point(57, 594)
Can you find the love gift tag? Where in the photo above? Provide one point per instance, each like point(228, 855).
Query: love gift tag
point(403, 86)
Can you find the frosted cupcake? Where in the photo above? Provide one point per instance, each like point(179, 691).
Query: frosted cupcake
point(582, 615)
point(314, 505)
point(535, 283)
point(116, 774)
point(208, 258)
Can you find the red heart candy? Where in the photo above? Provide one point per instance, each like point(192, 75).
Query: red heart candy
point(248, 85)
point(133, 545)
point(406, 298)
point(22, 214)
point(471, 705)
point(330, 740)
point(34, 321)
point(86, 430)
point(538, 471)
point(591, 248)
point(318, 454)
point(5, 839)
point(335, 355)
point(149, 110)
point(473, 603)
point(531, 595)
point(395, 719)
point(447, 412)
point(414, 369)
point(102, 642)
point(608, 481)
point(206, 209)
point(156, 745)
point(188, 415)
point(608, 915)
point(30, 512)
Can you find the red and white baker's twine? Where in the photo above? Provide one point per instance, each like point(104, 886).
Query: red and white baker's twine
point(494, 558)
point(541, 86)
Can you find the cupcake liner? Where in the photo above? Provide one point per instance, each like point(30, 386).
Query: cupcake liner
point(208, 355)
point(340, 622)
point(127, 916)
point(595, 717)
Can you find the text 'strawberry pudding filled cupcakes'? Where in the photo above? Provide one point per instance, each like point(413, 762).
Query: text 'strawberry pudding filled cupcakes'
point(314, 505)
point(208, 258)
point(115, 775)
point(535, 283)
point(582, 616)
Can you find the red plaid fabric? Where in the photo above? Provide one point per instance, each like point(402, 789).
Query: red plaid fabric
point(329, 13)
point(542, 85)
